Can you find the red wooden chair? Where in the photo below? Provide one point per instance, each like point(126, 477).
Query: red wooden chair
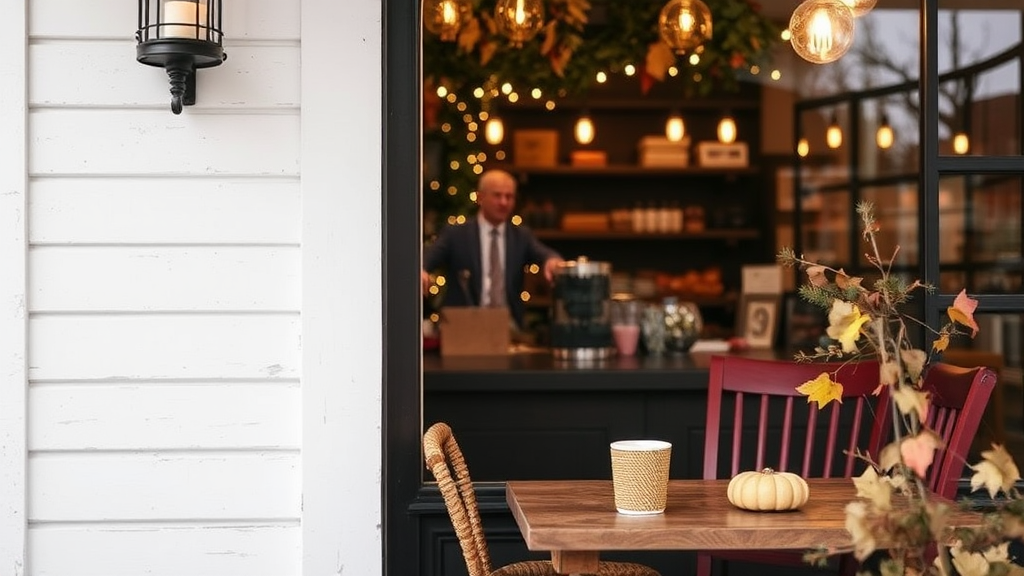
point(824, 448)
point(774, 426)
point(958, 400)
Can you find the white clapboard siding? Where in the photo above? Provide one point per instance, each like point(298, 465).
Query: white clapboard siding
point(243, 549)
point(170, 210)
point(205, 415)
point(157, 142)
point(116, 486)
point(143, 347)
point(246, 19)
point(251, 77)
point(161, 278)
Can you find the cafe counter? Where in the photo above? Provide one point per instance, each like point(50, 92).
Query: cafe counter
point(528, 415)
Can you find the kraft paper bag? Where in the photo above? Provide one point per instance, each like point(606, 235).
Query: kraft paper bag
point(475, 331)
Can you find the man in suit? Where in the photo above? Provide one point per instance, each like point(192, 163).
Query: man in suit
point(484, 258)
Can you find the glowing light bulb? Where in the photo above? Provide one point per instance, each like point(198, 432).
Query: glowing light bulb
point(821, 31)
point(494, 131)
point(584, 130)
point(961, 143)
point(686, 20)
point(884, 136)
point(819, 41)
point(834, 134)
point(675, 129)
point(727, 130)
point(449, 14)
point(803, 148)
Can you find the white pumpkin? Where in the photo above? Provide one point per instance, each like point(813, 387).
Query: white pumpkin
point(768, 491)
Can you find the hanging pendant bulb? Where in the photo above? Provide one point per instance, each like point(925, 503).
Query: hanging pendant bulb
point(727, 130)
point(584, 129)
point(519, 20)
point(834, 134)
point(675, 128)
point(685, 25)
point(494, 131)
point(803, 148)
point(821, 31)
point(884, 136)
point(446, 17)
point(961, 143)
point(860, 7)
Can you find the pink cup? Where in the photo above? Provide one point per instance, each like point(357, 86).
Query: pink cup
point(626, 326)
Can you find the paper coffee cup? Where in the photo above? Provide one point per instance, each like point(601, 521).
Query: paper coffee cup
point(640, 475)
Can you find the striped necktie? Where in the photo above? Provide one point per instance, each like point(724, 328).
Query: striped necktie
point(496, 292)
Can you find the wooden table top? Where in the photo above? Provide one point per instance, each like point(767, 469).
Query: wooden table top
point(579, 515)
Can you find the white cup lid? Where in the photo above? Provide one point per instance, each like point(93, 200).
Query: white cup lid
point(640, 445)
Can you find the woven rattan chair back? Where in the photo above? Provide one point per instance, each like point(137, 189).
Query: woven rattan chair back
point(444, 459)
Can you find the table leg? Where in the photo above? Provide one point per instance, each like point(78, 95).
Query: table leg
point(575, 561)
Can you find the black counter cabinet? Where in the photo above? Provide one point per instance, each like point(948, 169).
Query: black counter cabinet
point(529, 416)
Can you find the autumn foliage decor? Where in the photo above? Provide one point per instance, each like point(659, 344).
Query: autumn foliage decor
point(868, 321)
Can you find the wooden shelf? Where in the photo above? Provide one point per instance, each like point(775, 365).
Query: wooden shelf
point(724, 234)
point(633, 170)
point(641, 103)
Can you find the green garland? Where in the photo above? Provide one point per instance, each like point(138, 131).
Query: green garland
point(563, 60)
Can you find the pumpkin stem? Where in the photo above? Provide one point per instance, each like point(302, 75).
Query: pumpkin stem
point(767, 471)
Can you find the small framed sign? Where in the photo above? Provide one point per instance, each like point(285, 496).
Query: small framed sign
point(759, 319)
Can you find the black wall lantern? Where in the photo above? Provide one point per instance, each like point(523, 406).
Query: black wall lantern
point(180, 36)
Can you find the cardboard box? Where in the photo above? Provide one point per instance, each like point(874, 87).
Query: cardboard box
point(660, 152)
point(535, 148)
point(475, 331)
point(718, 155)
point(589, 158)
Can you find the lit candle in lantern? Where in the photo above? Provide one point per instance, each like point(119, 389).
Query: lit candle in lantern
point(181, 15)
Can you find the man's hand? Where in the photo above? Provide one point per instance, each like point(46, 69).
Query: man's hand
point(425, 281)
point(549, 268)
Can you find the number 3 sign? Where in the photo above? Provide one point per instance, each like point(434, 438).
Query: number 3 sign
point(758, 320)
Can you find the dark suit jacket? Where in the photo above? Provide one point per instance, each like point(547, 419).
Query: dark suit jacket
point(457, 250)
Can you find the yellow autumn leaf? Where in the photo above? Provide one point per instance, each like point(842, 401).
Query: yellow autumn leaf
point(962, 311)
point(550, 37)
point(968, 563)
point(660, 58)
point(942, 342)
point(914, 361)
point(996, 471)
point(889, 373)
point(469, 35)
point(889, 456)
point(918, 451)
point(845, 322)
point(871, 486)
point(822, 390)
point(858, 525)
point(909, 399)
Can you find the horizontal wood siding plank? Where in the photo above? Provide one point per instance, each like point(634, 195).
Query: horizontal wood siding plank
point(176, 210)
point(156, 142)
point(177, 416)
point(251, 77)
point(126, 550)
point(248, 19)
point(165, 278)
point(163, 486)
point(153, 347)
